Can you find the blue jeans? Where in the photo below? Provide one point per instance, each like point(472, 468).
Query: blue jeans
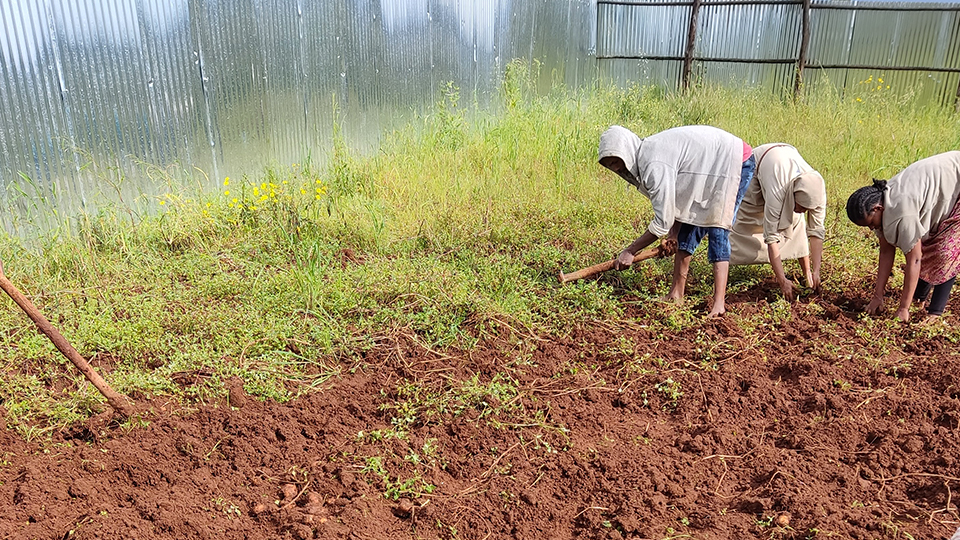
point(718, 246)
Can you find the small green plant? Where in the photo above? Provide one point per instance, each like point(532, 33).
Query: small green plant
point(229, 508)
point(844, 386)
point(671, 391)
point(395, 488)
point(780, 312)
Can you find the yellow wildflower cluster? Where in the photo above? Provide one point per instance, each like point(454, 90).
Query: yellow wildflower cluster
point(874, 85)
point(302, 186)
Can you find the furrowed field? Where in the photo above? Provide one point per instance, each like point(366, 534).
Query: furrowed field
point(377, 346)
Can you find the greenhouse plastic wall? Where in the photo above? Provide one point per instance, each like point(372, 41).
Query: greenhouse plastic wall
point(107, 100)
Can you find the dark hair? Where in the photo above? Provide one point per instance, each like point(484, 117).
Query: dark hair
point(862, 201)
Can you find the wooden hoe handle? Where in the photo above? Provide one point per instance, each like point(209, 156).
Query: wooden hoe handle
point(608, 265)
point(118, 402)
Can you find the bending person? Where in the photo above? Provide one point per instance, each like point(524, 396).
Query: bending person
point(918, 211)
point(770, 226)
point(695, 178)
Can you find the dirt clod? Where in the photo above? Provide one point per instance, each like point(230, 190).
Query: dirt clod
point(404, 508)
point(235, 393)
point(289, 492)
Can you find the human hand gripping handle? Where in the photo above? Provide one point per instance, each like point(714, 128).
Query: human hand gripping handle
point(624, 260)
point(629, 255)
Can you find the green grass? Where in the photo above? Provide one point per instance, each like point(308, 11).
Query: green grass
point(453, 231)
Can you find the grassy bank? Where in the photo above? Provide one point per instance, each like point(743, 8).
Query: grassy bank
point(454, 231)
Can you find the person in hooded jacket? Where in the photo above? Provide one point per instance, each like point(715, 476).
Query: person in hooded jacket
point(695, 178)
point(770, 226)
point(918, 211)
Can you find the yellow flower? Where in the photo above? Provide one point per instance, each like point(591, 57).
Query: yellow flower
point(226, 181)
point(256, 191)
point(303, 191)
point(163, 202)
point(234, 200)
point(858, 99)
point(880, 79)
point(227, 192)
point(316, 197)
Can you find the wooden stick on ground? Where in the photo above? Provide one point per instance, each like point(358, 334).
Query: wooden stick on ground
point(608, 265)
point(118, 402)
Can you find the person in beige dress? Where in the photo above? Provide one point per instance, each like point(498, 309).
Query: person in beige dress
point(782, 216)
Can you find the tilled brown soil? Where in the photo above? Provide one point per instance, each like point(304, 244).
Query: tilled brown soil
point(804, 428)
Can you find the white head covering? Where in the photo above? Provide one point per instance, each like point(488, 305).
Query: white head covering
point(620, 142)
point(809, 191)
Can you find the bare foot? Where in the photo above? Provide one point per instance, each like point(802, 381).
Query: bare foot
point(715, 314)
point(672, 297)
point(931, 320)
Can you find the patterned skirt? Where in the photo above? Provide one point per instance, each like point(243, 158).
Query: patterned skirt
point(941, 252)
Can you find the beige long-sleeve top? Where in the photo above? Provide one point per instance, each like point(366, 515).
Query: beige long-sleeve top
point(691, 174)
point(919, 198)
point(781, 173)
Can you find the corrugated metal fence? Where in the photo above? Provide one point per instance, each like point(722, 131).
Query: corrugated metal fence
point(103, 100)
point(779, 43)
point(108, 99)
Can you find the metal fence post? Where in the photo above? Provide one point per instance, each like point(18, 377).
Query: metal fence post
point(691, 42)
point(804, 45)
point(956, 102)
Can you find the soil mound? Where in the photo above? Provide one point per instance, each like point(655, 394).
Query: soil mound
point(805, 428)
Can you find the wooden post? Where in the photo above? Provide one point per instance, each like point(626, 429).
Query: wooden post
point(691, 43)
point(115, 400)
point(804, 46)
point(956, 102)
